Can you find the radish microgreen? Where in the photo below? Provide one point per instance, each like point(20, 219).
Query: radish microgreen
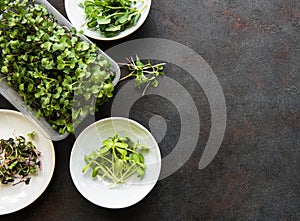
point(18, 159)
point(144, 73)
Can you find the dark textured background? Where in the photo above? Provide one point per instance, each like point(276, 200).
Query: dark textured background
point(254, 49)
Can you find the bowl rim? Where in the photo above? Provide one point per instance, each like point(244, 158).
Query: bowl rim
point(122, 34)
point(151, 184)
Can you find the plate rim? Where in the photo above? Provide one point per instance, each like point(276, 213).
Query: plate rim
point(46, 184)
point(120, 35)
point(75, 182)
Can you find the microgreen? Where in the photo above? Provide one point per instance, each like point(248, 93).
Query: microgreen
point(117, 160)
point(18, 159)
point(46, 64)
point(144, 73)
point(111, 17)
point(3, 5)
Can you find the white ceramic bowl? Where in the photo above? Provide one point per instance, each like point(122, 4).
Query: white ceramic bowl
point(96, 190)
point(14, 198)
point(77, 17)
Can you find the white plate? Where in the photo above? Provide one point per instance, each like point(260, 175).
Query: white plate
point(99, 192)
point(77, 18)
point(14, 198)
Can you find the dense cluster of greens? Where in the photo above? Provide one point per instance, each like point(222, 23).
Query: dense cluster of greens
point(18, 159)
point(117, 159)
point(47, 64)
point(4, 4)
point(110, 17)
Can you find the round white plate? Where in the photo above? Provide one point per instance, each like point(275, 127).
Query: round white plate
point(96, 190)
point(77, 18)
point(14, 198)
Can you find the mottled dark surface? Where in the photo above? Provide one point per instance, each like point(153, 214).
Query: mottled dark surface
point(254, 49)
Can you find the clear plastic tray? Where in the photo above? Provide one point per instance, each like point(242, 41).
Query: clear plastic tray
point(15, 99)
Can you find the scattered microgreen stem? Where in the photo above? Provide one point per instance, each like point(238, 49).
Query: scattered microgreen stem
point(144, 73)
point(18, 159)
point(117, 160)
point(110, 17)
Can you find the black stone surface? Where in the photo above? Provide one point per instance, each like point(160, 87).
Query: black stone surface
point(254, 49)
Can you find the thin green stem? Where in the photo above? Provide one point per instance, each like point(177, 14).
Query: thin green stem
point(146, 87)
point(103, 169)
point(124, 174)
point(127, 76)
point(114, 14)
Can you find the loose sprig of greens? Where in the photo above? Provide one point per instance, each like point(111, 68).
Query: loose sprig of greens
point(47, 64)
point(110, 17)
point(117, 160)
point(18, 159)
point(144, 73)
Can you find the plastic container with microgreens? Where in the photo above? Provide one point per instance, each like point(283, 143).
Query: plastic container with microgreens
point(14, 93)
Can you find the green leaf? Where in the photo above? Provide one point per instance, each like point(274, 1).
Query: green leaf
point(85, 46)
point(61, 66)
point(95, 171)
point(135, 19)
point(47, 45)
point(84, 113)
point(11, 166)
point(55, 47)
point(123, 18)
point(103, 150)
point(102, 20)
point(58, 92)
point(21, 87)
point(70, 128)
point(30, 87)
point(85, 167)
point(56, 107)
point(136, 157)
point(154, 83)
point(4, 69)
point(122, 151)
point(107, 143)
point(113, 28)
point(31, 135)
point(122, 145)
point(140, 171)
point(11, 22)
point(45, 61)
point(141, 158)
point(14, 44)
point(38, 114)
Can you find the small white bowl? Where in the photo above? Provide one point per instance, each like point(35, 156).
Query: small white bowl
point(14, 198)
point(77, 17)
point(96, 190)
